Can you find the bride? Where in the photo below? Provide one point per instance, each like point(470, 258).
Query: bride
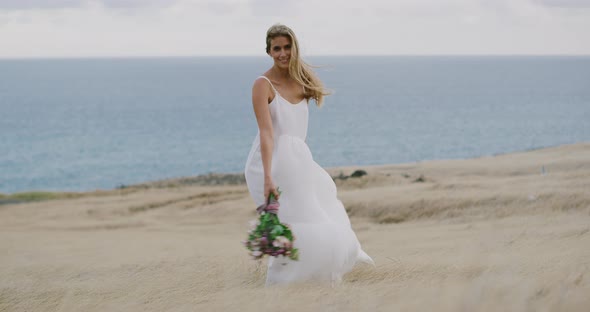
point(328, 247)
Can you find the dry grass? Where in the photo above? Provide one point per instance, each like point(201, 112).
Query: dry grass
point(487, 234)
point(486, 188)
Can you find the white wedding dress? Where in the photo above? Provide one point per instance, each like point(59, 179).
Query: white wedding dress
point(328, 247)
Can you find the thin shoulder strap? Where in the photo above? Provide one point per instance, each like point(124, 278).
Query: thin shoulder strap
point(273, 87)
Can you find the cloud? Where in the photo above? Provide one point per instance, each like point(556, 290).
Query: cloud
point(274, 8)
point(84, 28)
point(68, 4)
point(40, 4)
point(126, 4)
point(564, 3)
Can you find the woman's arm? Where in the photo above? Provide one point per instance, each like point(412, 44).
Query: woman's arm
point(260, 95)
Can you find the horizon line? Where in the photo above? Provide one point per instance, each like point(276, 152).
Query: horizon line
point(264, 56)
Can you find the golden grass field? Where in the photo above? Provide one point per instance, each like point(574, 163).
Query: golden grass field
point(485, 234)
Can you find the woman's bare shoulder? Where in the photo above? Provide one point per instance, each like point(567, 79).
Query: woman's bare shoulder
point(262, 89)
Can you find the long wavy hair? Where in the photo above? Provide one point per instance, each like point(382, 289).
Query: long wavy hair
point(298, 69)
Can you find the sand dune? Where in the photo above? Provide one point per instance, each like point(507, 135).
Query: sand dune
point(503, 233)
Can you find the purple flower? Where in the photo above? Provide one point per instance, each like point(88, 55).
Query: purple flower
point(271, 207)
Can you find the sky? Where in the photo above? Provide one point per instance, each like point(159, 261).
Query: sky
point(145, 28)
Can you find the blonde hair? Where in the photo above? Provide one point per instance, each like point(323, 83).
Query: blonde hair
point(298, 69)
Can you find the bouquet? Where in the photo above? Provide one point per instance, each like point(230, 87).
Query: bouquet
point(268, 236)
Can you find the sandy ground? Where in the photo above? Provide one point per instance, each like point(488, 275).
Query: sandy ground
point(503, 233)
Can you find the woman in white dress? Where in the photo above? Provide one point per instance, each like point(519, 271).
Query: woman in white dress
point(328, 247)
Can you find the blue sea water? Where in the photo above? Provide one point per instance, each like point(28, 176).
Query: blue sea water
point(84, 124)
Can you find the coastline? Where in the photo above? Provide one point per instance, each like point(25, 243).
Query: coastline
point(225, 178)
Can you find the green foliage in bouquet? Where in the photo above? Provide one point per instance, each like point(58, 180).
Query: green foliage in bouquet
point(268, 236)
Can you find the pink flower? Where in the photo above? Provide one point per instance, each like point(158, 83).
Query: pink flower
point(271, 207)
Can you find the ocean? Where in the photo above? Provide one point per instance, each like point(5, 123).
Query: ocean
point(86, 124)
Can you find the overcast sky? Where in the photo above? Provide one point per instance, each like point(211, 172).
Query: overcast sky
point(90, 28)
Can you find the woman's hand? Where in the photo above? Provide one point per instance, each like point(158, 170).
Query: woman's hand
point(269, 187)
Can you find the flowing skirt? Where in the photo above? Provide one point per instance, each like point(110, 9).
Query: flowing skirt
point(328, 247)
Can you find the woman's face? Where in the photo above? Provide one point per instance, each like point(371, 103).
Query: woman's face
point(280, 51)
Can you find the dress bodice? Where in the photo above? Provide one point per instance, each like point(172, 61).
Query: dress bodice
point(288, 118)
